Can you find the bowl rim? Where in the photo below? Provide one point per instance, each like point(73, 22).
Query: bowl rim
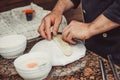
point(20, 59)
point(4, 51)
point(24, 40)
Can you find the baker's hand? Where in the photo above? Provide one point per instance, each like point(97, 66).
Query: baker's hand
point(76, 30)
point(52, 19)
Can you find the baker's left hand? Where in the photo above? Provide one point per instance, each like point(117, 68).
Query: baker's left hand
point(76, 30)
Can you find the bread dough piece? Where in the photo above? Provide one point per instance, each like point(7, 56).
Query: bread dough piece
point(64, 46)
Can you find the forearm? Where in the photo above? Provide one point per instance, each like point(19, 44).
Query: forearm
point(62, 6)
point(101, 24)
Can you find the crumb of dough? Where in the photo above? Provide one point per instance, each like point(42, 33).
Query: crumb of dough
point(64, 46)
point(32, 65)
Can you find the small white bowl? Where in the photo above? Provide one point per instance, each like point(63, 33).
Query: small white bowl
point(11, 46)
point(39, 69)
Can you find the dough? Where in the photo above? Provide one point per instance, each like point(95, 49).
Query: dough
point(64, 46)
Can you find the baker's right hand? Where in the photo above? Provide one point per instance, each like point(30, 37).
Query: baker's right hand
point(53, 19)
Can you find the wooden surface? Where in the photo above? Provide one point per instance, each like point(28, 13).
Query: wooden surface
point(73, 14)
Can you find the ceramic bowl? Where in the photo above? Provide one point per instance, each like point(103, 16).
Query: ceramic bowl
point(33, 66)
point(11, 46)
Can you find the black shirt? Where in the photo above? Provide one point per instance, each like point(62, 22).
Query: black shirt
point(108, 42)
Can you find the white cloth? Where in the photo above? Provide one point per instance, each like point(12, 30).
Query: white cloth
point(55, 54)
point(14, 21)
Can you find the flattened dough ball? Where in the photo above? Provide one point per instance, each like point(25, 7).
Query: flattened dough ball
point(64, 46)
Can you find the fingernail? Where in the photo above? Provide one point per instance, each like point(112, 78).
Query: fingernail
point(44, 37)
point(49, 38)
point(55, 33)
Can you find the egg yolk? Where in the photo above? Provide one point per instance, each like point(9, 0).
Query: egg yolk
point(32, 65)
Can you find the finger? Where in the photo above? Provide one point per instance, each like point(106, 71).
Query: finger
point(41, 30)
point(70, 39)
point(66, 28)
point(56, 27)
point(47, 29)
point(65, 33)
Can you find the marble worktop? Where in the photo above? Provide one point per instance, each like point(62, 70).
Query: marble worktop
point(86, 68)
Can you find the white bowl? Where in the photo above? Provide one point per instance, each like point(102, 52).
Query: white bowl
point(12, 46)
point(38, 71)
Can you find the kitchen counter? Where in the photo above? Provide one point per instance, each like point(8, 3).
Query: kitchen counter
point(86, 68)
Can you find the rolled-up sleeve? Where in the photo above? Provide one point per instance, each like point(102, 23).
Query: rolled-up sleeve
point(76, 3)
point(113, 12)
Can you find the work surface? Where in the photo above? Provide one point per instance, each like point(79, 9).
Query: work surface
point(86, 68)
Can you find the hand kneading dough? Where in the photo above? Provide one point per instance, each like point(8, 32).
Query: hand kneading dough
point(64, 46)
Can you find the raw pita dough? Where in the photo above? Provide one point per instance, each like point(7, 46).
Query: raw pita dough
point(64, 46)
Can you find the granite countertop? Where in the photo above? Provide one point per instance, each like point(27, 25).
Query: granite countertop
point(86, 68)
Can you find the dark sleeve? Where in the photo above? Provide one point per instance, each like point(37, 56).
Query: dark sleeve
point(76, 3)
point(113, 12)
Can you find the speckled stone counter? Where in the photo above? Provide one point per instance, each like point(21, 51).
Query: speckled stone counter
point(86, 68)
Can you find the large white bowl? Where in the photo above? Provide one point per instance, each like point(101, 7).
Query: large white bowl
point(38, 72)
point(11, 46)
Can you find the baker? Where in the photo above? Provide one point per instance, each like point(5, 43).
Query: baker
point(100, 29)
